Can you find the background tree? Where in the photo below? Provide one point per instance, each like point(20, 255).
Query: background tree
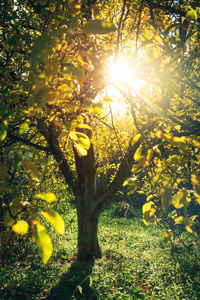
point(55, 59)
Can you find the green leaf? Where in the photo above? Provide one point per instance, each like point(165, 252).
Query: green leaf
point(21, 227)
point(42, 97)
point(3, 171)
point(6, 190)
point(24, 126)
point(18, 157)
point(99, 27)
point(28, 149)
point(132, 183)
point(195, 178)
point(43, 242)
point(41, 43)
point(80, 289)
point(8, 220)
point(3, 132)
point(165, 192)
point(48, 197)
point(75, 71)
point(90, 281)
point(55, 219)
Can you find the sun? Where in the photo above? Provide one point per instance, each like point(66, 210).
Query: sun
point(121, 73)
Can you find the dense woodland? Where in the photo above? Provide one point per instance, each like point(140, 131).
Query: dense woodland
point(75, 129)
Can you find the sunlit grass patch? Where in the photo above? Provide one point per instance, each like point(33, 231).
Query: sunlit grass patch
point(135, 265)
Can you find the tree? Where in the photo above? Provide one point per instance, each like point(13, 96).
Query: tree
point(54, 58)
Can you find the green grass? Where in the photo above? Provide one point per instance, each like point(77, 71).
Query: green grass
point(135, 265)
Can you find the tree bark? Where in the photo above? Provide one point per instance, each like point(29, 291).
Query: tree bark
point(88, 245)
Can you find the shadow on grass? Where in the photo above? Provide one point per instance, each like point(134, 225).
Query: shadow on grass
point(77, 275)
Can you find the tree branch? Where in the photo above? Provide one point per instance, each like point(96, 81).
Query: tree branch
point(138, 25)
point(169, 9)
point(50, 135)
point(27, 142)
point(123, 173)
point(119, 27)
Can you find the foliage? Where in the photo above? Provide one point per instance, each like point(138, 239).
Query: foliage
point(54, 65)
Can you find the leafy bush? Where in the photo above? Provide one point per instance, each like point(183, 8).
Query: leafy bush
point(123, 210)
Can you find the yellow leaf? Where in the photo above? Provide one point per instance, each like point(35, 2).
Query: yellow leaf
point(83, 140)
point(191, 15)
point(149, 154)
point(21, 227)
point(107, 100)
point(96, 110)
point(158, 39)
point(43, 242)
point(80, 150)
point(180, 143)
point(137, 154)
point(55, 219)
point(73, 136)
point(180, 199)
point(191, 231)
point(194, 140)
point(24, 127)
point(148, 212)
point(185, 220)
point(48, 197)
point(135, 167)
point(136, 138)
point(156, 178)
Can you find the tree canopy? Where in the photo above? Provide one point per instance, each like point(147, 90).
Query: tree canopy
point(56, 111)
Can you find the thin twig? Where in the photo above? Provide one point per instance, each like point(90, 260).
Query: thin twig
point(138, 26)
point(113, 125)
point(119, 27)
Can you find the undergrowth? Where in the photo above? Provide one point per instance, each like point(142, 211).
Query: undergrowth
point(135, 265)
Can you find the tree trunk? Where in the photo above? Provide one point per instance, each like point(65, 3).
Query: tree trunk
point(89, 205)
point(88, 246)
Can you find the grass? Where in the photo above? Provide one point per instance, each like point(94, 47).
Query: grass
point(135, 265)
